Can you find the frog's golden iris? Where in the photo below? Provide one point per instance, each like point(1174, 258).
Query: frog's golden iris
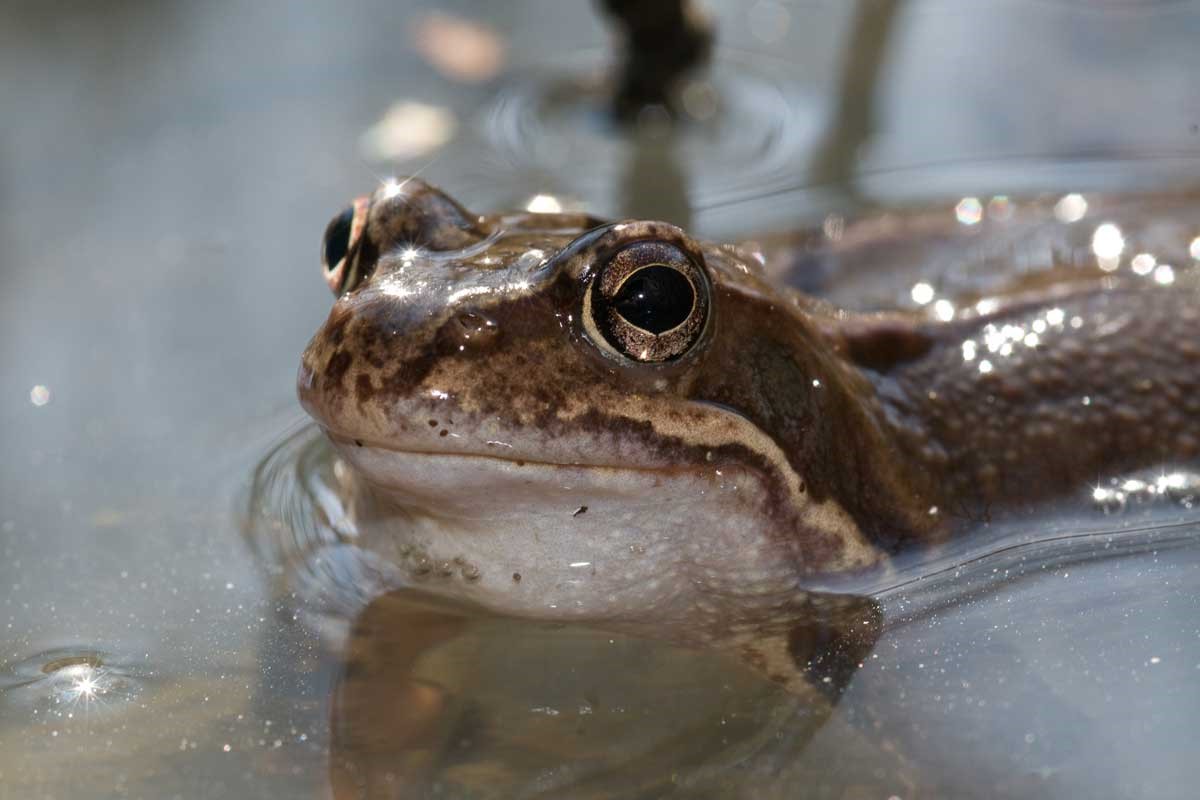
point(648, 302)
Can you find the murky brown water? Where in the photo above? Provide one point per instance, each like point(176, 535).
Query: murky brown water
point(166, 170)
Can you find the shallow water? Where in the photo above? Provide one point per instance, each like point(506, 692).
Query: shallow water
point(1010, 664)
point(166, 171)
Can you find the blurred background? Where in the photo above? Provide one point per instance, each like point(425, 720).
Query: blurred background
point(166, 173)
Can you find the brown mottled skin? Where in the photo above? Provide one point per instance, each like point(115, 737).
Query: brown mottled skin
point(1120, 391)
point(880, 412)
point(506, 447)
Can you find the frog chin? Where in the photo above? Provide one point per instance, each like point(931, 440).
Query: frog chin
point(591, 543)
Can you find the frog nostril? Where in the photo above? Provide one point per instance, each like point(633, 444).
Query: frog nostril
point(470, 330)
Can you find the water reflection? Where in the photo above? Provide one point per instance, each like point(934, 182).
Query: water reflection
point(854, 119)
point(431, 696)
point(434, 692)
point(434, 697)
point(654, 184)
point(738, 130)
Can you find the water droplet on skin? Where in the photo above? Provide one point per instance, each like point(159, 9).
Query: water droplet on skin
point(1180, 488)
point(1164, 274)
point(1107, 243)
point(1143, 263)
point(943, 310)
point(544, 204)
point(922, 293)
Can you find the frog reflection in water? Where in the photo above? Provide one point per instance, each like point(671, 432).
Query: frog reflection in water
point(566, 419)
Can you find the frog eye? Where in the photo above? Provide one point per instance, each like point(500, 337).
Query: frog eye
point(337, 250)
point(648, 302)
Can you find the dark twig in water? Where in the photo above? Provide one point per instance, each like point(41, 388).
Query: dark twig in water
point(662, 42)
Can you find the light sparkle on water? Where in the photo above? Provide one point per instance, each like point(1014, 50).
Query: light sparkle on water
point(83, 683)
point(1164, 274)
point(85, 687)
point(1108, 243)
point(921, 293)
point(544, 204)
point(1143, 263)
point(39, 395)
point(1071, 208)
point(943, 310)
point(969, 211)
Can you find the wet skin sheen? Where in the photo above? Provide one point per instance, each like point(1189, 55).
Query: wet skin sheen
point(564, 418)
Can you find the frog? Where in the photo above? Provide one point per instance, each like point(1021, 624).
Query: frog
point(558, 417)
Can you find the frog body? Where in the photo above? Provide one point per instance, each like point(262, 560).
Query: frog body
point(566, 418)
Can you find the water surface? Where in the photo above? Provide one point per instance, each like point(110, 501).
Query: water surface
point(166, 171)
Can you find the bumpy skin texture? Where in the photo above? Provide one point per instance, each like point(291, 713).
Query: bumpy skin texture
point(461, 333)
point(1112, 380)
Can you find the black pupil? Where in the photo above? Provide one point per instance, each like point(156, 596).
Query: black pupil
point(337, 237)
point(655, 298)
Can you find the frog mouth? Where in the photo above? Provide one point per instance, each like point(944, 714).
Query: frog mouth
point(471, 484)
point(366, 453)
